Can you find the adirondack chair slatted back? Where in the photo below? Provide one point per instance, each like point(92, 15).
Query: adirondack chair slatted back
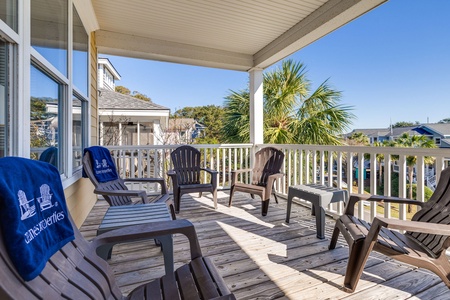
point(113, 185)
point(74, 272)
point(186, 163)
point(436, 210)
point(268, 161)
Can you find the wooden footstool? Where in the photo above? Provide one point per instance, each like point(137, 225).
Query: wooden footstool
point(320, 196)
point(126, 215)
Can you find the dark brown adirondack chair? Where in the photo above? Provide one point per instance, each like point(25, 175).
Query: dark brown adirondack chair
point(76, 272)
point(117, 193)
point(424, 243)
point(267, 168)
point(186, 175)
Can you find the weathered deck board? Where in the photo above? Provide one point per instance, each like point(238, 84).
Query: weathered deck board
point(264, 258)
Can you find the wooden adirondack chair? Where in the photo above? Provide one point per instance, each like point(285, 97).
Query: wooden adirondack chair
point(76, 272)
point(186, 175)
point(267, 168)
point(117, 193)
point(424, 244)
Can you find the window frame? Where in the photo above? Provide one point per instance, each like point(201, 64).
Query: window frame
point(22, 56)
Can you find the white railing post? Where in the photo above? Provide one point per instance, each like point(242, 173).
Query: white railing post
point(387, 184)
point(303, 164)
point(373, 184)
point(402, 186)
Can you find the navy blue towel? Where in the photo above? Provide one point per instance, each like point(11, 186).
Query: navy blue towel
point(33, 213)
point(101, 160)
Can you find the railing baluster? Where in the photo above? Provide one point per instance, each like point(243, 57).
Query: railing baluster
point(303, 164)
point(387, 184)
point(402, 186)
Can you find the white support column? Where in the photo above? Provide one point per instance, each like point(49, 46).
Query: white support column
point(157, 133)
point(102, 132)
point(138, 131)
point(120, 134)
point(21, 105)
point(256, 106)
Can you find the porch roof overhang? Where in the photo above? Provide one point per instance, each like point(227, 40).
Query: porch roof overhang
point(236, 35)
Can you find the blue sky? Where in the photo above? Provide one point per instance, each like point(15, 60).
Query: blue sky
point(392, 64)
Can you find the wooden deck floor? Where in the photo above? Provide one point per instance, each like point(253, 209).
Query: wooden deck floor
point(264, 258)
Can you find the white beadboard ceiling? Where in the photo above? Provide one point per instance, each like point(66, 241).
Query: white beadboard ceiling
point(229, 34)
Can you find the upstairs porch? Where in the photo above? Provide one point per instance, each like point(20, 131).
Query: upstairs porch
point(265, 258)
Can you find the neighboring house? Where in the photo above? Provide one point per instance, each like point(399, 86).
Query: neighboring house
point(440, 133)
point(384, 134)
point(126, 120)
point(183, 131)
point(107, 74)
point(123, 119)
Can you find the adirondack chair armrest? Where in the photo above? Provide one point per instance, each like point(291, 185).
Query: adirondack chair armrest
point(235, 173)
point(276, 175)
point(132, 193)
point(209, 171)
point(171, 172)
point(414, 226)
point(160, 181)
point(149, 231)
point(240, 171)
point(271, 179)
point(213, 174)
point(355, 198)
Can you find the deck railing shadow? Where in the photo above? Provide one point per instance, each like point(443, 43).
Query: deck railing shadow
point(262, 257)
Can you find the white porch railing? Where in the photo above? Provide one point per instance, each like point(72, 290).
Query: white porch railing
point(328, 165)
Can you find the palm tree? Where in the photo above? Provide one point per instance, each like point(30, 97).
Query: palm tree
point(292, 115)
point(358, 139)
point(414, 141)
point(380, 159)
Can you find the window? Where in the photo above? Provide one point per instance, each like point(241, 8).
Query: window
point(49, 31)
point(79, 128)
point(4, 103)
point(55, 126)
point(437, 141)
point(45, 121)
point(80, 54)
point(8, 13)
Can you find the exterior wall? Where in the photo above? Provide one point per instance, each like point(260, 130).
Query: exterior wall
point(79, 196)
point(94, 93)
point(80, 200)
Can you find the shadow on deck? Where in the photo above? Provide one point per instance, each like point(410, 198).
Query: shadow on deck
point(265, 258)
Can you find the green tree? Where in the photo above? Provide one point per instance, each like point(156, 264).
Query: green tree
point(126, 91)
point(122, 90)
point(292, 113)
point(357, 139)
point(138, 95)
point(380, 159)
point(405, 124)
point(414, 141)
point(443, 121)
point(209, 115)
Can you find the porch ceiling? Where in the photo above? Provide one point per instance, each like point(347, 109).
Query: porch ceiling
point(233, 34)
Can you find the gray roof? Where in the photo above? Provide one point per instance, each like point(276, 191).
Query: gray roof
point(385, 132)
point(371, 132)
point(445, 143)
point(401, 130)
point(113, 100)
point(438, 128)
